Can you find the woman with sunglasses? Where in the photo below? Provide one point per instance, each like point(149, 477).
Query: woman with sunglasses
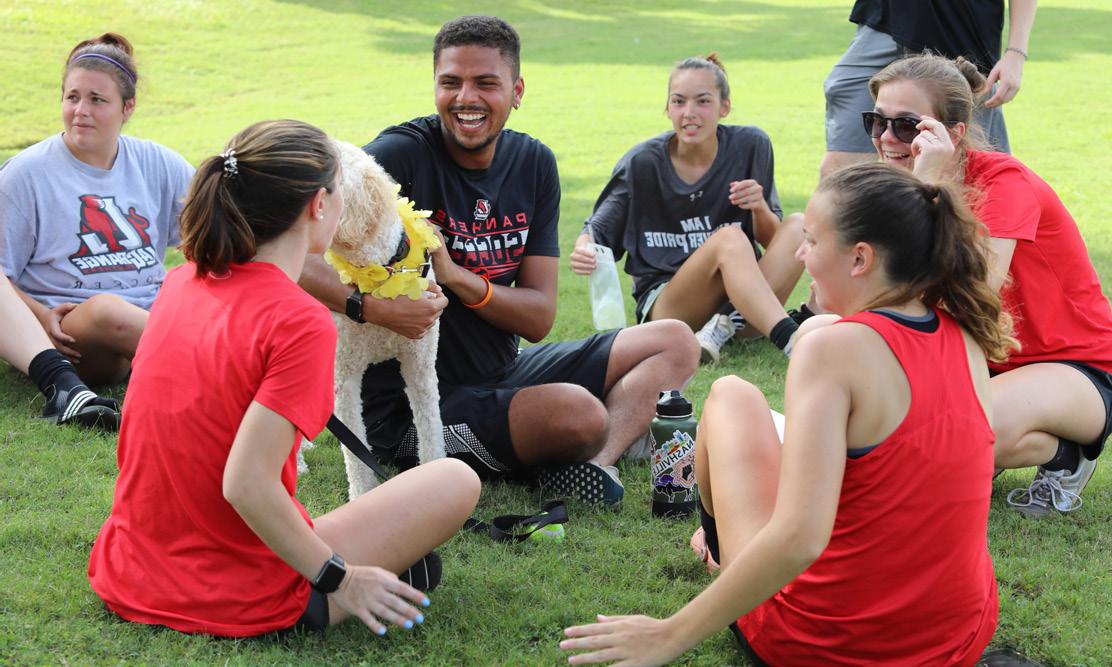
point(846, 545)
point(86, 216)
point(1052, 399)
point(690, 207)
point(235, 367)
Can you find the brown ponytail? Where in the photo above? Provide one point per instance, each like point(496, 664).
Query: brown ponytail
point(254, 191)
point(932, 246)
point(111, 53)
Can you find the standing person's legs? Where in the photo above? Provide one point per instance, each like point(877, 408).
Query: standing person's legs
point(106, 329)
point(847, 95)
point(991, 122)
point(1055, 416)
point(395, 524)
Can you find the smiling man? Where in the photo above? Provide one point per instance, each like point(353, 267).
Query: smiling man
point(565, 410)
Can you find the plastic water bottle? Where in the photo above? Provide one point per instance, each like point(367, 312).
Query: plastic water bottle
point(607, 306)
point(675, 492)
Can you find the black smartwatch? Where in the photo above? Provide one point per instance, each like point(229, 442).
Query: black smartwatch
point(354, 307)
point(330, 575)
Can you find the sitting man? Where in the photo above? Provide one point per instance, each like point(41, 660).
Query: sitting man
point(570, 409)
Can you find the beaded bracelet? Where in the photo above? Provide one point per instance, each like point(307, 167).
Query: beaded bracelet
point(1019, 51)
point(486, 297)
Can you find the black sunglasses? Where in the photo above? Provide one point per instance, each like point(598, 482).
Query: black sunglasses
point(904, 127)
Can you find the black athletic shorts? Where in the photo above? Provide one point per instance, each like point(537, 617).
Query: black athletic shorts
point(476, 417)
point(315, 617)
point(1102, 380)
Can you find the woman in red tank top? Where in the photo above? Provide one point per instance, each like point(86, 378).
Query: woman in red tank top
point(833, 547)
point(1053, 397)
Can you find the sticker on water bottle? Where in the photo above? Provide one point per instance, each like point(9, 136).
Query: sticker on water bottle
point(674, 464)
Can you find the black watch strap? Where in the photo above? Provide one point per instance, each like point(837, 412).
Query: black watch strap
point(330, 575)
point(353, 307)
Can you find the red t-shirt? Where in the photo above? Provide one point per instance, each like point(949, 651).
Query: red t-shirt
point(1055, 297)
point(173, 552)
point(906, 578)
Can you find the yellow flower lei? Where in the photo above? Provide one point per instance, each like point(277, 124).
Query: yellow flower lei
point(404, 277)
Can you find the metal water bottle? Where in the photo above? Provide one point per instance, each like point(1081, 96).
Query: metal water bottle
point(675, 493)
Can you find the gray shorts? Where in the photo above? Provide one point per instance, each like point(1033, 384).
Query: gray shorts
point(847, 95)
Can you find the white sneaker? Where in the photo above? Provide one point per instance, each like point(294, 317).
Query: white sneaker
point(1053, 490)
point(715, 333)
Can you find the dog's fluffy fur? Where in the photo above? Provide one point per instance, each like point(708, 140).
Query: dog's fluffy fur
point(369, 233)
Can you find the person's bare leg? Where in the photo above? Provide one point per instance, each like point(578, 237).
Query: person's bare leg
point(725, 267)
point(556, 423)
point(832, 161)
point(737, 462)
point(395, 524)
point(107, 331)
point(644, 360)
point(23, 336)
point(1033, 406)
point(779, 266)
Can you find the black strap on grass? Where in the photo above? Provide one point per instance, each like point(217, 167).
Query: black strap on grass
point(505, 528)
point(356, 446)
point(518, 527)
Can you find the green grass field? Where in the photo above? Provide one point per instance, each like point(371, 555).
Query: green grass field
point(596, 75)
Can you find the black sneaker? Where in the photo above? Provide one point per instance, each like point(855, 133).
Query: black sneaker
point(801, 315)
point(589, 482)
point(79, 405)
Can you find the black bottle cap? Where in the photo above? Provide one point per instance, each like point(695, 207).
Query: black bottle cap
point(673, 404)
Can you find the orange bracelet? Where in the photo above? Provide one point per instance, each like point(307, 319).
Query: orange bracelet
point(486, 297)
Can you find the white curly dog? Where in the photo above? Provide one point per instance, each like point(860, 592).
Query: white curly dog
point(369, 233)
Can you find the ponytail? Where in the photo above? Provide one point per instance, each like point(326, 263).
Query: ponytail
point(253, 192)
point(932, 246)
point(959, 271)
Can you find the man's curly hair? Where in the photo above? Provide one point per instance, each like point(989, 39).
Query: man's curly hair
point(489, 31)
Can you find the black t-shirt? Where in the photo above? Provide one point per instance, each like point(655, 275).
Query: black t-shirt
point(490, 218)
point(970, 28)
point(649, 212)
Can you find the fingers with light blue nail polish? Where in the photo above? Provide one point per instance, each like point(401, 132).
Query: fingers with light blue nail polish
point(420, 618)
point(425, 602)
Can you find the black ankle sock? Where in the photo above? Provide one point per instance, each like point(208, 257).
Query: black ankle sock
point(782, 332)
point(51, 371)
point(710, 532)
point(424, 575)
point(1066, 458)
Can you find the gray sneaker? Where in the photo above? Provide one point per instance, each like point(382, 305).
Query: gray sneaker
point(715, 333)
point(642, 448)
point(589, 482)
point(1053, 490)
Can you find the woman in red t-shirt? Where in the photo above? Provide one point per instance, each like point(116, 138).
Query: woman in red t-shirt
point(233, 369)
point(1052, 398)
point(847, 545)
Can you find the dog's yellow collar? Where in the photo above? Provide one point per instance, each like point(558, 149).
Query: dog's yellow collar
point(403, 276)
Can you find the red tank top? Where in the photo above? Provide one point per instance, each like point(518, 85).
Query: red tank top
point(906, 578)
